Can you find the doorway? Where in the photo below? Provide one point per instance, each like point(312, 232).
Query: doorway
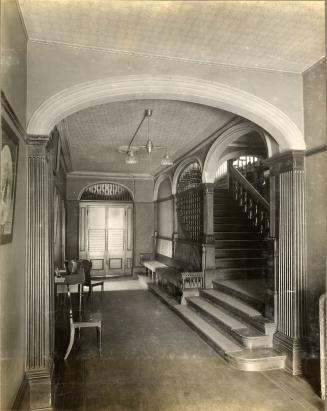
point(106, 237)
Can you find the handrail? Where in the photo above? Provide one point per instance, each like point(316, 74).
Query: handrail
point(248, 186)
point(252, 203)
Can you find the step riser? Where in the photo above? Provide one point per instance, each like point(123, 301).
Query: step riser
point(238, 253)
point(232, 227)
point(244, 244)
point(224, 274)
point(239, 263)
point(236, 236)
point(257, 365)
point(251, 343)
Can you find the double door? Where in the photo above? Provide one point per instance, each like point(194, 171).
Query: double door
point(106, 237)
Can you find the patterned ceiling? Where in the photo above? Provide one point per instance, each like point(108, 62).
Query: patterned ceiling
point(94, 134)
point(278, 35)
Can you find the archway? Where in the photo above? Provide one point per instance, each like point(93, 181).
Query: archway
point(214, 94)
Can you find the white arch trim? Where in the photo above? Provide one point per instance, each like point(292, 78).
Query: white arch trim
point(81, 96)
point(180, 167)
point(217, 151)
point(104, 182)
point(159, 180)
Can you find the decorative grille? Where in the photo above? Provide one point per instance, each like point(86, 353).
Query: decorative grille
point(190, 201)
point(106, 192)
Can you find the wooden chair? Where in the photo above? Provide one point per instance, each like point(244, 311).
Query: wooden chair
point(85, 321)
point(87, 266)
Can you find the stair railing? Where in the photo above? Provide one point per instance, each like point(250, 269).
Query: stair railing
point(250, 200)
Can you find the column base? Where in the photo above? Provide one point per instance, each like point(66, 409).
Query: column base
point(294, 351)
point(39, 389)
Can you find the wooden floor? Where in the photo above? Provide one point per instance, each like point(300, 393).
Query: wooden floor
point(152, 361)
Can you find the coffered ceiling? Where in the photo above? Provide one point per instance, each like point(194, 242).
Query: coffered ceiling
point(94, 134)
point(276, 35)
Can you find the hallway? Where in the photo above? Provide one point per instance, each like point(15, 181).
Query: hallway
point(152, 361)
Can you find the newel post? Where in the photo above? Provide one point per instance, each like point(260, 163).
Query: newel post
point(38, 356)
point(208, 246)
point(288, 170)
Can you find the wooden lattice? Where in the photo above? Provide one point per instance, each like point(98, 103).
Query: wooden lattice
point(106, 192)
point(190, 201)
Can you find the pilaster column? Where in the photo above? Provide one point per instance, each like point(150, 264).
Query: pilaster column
point(291, 281)
point(208, 247)
point(38, 358)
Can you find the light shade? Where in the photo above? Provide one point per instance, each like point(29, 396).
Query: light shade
point(166, 161)
point(130, 158)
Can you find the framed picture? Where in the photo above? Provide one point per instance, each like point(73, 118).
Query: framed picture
point(9, 163)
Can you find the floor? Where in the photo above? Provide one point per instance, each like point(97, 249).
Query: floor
point(152, 361)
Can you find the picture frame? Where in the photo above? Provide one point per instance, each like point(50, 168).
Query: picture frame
point(8, 183)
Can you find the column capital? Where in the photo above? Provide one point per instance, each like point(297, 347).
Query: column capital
point(288, 161)
point(37, 145)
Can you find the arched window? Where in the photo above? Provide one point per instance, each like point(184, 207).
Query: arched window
point(106, 192)
point(190, 177)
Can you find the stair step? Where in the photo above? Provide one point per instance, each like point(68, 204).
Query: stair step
point(259, 359)
point(215, 338)
point(240, 262)
point(251, 292)
point(240, 243)
point(230, 227)
point(247, 336)
point(239, 252)
point(241, 309)
point(239, 273)
point(236, 235)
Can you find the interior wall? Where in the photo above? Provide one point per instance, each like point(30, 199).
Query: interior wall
point(314, 101)
point(13, 255)
point(142, 190)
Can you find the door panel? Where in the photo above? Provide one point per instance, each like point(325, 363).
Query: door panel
point(96, 237)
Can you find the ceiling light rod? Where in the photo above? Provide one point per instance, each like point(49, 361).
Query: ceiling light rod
point(147, 113)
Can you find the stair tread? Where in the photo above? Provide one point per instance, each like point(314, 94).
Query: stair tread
point(250, 288)
point(217, 312)
point(226, 344)
point(235, 302)
point(241, 258)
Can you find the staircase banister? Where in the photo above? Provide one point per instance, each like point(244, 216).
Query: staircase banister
point(248, 186)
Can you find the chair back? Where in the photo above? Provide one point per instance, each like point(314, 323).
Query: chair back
point(87, 266)
point(73, 266)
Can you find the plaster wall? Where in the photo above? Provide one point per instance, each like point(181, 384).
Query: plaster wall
point(54, 67)
point(314, 100)
point(13, 255)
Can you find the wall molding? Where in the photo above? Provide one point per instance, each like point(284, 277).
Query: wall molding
point(316, 150)
point(95, 174)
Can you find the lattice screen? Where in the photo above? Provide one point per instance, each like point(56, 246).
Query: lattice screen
point(190, 201)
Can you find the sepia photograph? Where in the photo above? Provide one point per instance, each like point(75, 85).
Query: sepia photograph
point(163, 213)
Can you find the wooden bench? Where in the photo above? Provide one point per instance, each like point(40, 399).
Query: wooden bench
point(151, 267)
point(186, 282)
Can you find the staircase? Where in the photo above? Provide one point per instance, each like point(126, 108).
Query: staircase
point(230, 316)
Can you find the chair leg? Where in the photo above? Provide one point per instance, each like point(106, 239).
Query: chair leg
point(99, 338)
point(90, 292)
point(71, 342)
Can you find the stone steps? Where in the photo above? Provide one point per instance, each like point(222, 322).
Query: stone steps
point(243, 333)
point(239, 252)
point(240, 309)
point(236, 262)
